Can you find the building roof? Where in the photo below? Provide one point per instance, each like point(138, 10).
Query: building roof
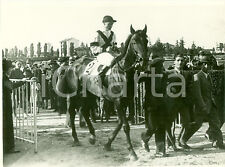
point(69, 39)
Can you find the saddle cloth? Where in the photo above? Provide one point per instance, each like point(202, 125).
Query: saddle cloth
point(97, 65)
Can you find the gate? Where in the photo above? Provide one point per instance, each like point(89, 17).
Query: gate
point(24, 105)
point(139, 104)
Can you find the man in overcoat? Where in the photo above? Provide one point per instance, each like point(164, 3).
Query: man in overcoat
point(8, 86)
point(205, 106)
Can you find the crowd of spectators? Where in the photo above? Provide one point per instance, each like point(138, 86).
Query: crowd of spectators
point(43, 71)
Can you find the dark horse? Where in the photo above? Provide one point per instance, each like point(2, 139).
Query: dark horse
point(88, 87)
point(161, 111)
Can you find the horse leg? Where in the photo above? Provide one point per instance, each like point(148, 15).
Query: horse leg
point(93, 116)
point(126, 128)
point(101, 109)
point(108, 107)
point(107, 146)
point(68, 124)
point(131, 111)
point(72, 123)
point(171, 138)
point(81, 120)
point(107, 114)
point(145, 137)
point(85, 112)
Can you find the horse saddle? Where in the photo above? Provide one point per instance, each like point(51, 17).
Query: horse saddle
point(96, 66)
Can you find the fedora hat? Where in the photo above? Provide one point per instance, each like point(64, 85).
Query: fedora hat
point(108, 19)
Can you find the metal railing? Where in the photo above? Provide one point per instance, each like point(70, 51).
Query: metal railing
point(24, 104)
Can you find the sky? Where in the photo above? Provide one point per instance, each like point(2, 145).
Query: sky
point(48, 21)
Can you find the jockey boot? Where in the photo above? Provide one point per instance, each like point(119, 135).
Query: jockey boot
point(102, 76)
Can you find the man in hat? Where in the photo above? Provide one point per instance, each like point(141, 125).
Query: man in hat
point(53, 97)
point(205, 106)
point(17, 73)
point(105, 39)
point(8, 86)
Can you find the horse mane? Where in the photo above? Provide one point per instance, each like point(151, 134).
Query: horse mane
point(127, 44)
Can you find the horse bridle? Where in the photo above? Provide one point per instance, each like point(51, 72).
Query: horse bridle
point(132, 66)
point(137, 61)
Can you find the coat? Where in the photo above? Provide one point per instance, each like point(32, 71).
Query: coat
point(202, 92)
point(8, 133)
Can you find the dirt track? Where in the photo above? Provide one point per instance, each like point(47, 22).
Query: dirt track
point(55, 141)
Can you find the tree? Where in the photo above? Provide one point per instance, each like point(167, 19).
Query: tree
point(82, 45)
point(149, 42)
point(25, 51)
point(11, 52)
point(193, 46)
point(176, 49)
point(15, 51)
point(39, 49)
point(71, 49)
point(3, 55)
point(158, 49)
point(31, 50)
point(181, 47)
point(221, 47)
point(57, 53)
point(199, 49)
point(20, 53)
point(52, 52)
point(194, 49)
point(168, 49)
point(64, 48)
point(6, 52)
point(45, 50)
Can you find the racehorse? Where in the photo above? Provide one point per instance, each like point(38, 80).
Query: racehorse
point(88, 87)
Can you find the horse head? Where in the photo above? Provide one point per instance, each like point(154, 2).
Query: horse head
point(136, 48)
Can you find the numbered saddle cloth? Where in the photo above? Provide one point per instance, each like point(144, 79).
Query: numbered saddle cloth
point(97, 65)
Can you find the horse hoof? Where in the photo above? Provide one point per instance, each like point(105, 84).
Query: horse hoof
point(133, 156)
point(107, 147)
point(92, 141)
point(160, 155)
point(76, 143)
point(145, 146)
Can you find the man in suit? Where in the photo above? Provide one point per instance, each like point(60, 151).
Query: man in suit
point(179, 104)
point(205, 107)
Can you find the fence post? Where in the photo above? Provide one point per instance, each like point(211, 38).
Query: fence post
point(35, 117)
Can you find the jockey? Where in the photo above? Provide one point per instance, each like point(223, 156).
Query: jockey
point(105, 41)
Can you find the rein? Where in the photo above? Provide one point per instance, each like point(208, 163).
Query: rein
point(125, 70)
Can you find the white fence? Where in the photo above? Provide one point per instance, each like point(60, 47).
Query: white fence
point(24, 104)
